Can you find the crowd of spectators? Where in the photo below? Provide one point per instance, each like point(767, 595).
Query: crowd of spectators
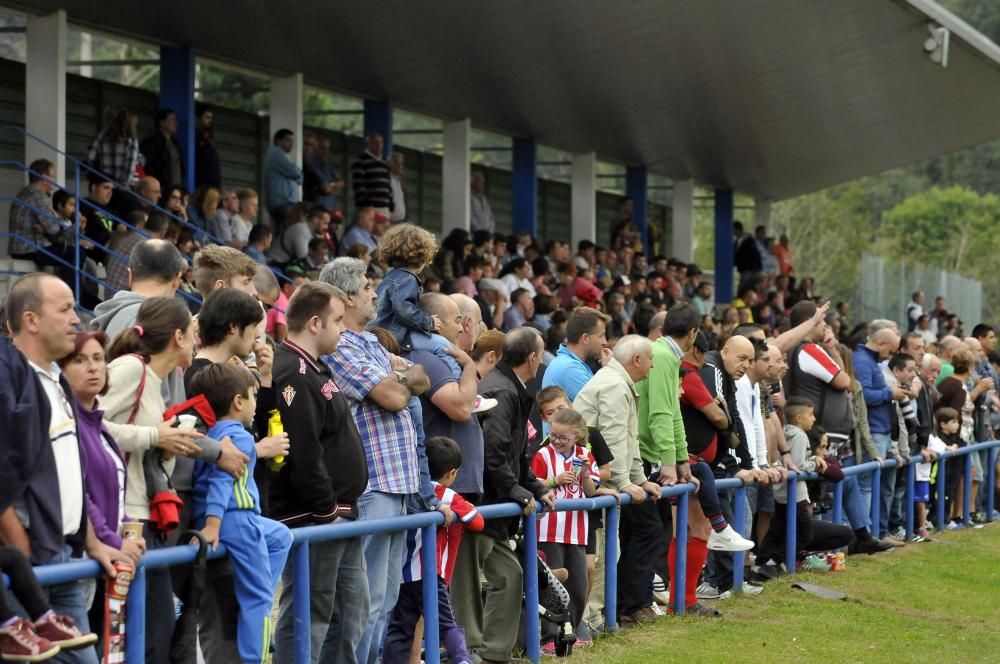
point(412, 376)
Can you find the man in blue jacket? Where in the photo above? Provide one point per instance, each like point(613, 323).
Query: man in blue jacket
point(879, 398)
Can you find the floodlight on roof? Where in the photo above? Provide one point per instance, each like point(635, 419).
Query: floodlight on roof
point(936, 45)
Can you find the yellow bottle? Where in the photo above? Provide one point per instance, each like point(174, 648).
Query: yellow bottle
point(274, 428)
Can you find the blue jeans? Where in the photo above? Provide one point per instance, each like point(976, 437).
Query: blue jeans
point(338, 603)
point(882, 443)
point(853, 502)
point(384, 562)
point(67, 599)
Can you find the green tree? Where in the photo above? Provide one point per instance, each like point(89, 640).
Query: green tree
point(951, 228)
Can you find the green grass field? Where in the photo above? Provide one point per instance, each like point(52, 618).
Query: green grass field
point(930, 602)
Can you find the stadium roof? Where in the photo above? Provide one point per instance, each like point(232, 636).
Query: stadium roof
point(773, 98)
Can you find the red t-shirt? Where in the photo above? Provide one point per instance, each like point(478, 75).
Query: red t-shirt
point(696, 395)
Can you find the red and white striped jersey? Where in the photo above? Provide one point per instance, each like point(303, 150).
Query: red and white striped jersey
point(448, 537)
point(563, 527)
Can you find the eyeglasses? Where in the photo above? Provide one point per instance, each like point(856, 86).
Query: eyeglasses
point(559, 438)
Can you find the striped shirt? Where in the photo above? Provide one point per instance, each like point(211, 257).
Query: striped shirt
point(563, 527)
point(448, 537)
point(359, 364)
point(372, 184)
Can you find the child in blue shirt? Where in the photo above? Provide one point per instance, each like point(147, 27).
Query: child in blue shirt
point(228, 510)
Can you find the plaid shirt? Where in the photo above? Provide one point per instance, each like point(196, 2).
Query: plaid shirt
point(359, 364)
point(117, 160)
point(31, 217)
point(117, 276)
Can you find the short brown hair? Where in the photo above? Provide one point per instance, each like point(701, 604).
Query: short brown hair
point(946, 414)
point(549, 394)
point(406, 245)
point(25, 295)
point(220, 383)
point(218, 263)
point(962, 360)
point(310, 299)
point(245, 194)
point(583, 321)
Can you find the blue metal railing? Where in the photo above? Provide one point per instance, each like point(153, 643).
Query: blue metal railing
point(429, 521)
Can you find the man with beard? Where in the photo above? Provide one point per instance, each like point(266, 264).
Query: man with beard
point(584, 349)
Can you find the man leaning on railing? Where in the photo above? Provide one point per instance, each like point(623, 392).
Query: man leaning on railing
point(41, 450)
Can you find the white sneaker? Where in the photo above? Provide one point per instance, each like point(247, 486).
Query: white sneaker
point(728, 540)
point(748, 589)
point(660, 593)
point(706, 591)
point(657, 609)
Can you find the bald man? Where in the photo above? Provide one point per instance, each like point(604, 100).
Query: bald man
point(880, 399)
point(948, 345)
point(720, 372)
point(471, 325)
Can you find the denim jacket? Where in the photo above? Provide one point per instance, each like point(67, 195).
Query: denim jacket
point(398, 305)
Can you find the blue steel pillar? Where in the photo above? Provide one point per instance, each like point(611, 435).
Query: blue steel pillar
point(724, 245)
point(635, 188)
point(525, 186)
point(378, 120)
point(177, 93)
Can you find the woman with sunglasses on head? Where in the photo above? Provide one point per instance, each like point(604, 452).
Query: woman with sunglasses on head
point(160, 343)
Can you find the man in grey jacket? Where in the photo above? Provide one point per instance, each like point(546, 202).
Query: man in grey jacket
point(507, 477)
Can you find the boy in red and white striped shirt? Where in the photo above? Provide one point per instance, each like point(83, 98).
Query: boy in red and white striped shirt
point(571, 471)
point(444, 457)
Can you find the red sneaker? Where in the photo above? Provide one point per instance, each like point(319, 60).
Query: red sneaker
point(62, 631)
point(19, 643)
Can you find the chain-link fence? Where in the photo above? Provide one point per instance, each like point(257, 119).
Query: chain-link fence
point(887, 287)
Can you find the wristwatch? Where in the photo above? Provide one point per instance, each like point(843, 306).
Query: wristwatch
point(401, 377)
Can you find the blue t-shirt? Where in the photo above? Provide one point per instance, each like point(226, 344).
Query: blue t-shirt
point(468, 434)
point(568, 372)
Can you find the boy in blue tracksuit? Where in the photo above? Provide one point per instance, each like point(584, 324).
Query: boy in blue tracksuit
point(228, 510)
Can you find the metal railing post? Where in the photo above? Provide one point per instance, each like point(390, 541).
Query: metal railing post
point(740, 517)
point(76, 235)
point(301, 608)
point(135, 615)
point(911, 470)
point(991, 482)
point(967, 489)
point(791, 526)
point(939, 503)
point(532, 635)
point(678, 594)
point(611, 516)
point(428, 566)
point(838, 502)
point(876, 501)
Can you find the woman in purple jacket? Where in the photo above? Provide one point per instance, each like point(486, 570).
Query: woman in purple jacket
point(104, 465)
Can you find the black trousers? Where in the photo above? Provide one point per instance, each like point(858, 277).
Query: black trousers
point(23, 584)
point(640, 538)
point(810, 534)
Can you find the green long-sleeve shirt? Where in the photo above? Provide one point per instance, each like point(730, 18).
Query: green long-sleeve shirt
point(661, 429)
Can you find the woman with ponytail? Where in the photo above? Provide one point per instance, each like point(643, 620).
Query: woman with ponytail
point(160, 343)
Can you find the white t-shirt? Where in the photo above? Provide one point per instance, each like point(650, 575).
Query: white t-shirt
point(65, 447)
point(748, 406)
